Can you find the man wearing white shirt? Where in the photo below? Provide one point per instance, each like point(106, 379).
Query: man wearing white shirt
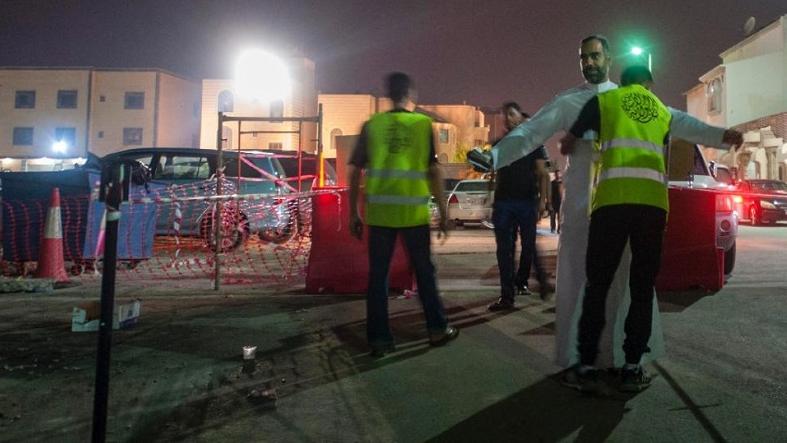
point(555, 117)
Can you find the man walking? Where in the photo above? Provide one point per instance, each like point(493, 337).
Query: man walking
point(520, 196)
point(556, 197)
point(396, 150)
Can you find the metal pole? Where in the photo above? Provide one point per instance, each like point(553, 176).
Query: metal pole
point(114, 196)
point(321, 179)
point(650, 67)
point(219, 206)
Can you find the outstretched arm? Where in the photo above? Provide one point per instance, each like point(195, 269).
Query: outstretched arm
point(690, 129)
point(555, 116)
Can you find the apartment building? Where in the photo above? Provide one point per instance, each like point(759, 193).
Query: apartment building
point(219, 95)
point(53, 117)
point(748, 91)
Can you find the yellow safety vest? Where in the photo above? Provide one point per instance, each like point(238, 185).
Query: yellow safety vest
point(397, 184)
point(630, 168)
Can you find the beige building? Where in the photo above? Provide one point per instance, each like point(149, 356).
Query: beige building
point(53, 117)
point(219, 94)
point(748, 91)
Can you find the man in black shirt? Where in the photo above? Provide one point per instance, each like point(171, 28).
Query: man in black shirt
point(556, 196)
point(520, 197)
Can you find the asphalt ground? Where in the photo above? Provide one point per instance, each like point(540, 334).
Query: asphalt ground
point(179, 374)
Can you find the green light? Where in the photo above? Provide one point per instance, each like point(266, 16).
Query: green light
point(636, 50)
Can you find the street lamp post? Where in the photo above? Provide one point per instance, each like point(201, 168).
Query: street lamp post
point(637, 51)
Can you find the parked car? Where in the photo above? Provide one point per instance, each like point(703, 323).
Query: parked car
point(190, 172)
point(762, 201)
point(470, 202)
point(688, 169)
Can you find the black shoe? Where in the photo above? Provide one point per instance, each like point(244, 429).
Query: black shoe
point(379, 351)
point(480, 160)
point(523, 290)
point(586, 382)
point(502, 304)
point(545, 289)
point(443, 337)
point(634, 380)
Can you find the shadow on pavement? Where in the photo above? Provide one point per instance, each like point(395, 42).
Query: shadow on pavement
point(680, 301)
point(543, 412)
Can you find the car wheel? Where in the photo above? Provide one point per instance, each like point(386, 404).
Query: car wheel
point(283, 231)
point(753, 216)
point(235, 230)
point(729, 260)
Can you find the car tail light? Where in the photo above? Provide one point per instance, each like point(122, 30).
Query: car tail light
point(453, 200)
point(724, 203)
point(737, 199)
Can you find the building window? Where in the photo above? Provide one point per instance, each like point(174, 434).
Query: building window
point(132, 136)
point(66, 135)
point(23, 136)
point(714, 95)
point(335, 133)
point(25, 99)
point(100, 134)
point(277, 109)
point(276, 145)
point(102, 98)
point(66, 99)
point(443, 136)
point(135, 100)
point(226, 101)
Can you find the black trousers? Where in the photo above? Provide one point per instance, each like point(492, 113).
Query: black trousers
point(611, 227)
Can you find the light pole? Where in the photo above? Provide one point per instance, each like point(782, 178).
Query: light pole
point(637, 51)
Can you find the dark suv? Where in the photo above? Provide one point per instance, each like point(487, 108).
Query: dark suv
point(190, 172)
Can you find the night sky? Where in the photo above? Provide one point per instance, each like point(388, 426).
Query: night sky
point(481, 52)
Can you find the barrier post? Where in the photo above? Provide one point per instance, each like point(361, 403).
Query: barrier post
point(114, 185)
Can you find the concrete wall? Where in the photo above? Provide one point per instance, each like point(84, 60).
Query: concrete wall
point(343, 115)
point(45, 117)
point(301, 102)
point(178, 112)
point(755, 88)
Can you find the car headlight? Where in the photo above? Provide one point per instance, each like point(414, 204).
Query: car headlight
point(767, 205)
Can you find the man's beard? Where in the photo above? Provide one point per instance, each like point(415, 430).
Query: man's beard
point(594, 75)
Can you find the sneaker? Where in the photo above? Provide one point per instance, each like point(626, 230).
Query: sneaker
point(441, 338)
point(523, 290)
point(634, 380)
point(502, 304)
point(379, 351)
point(586, 382)
point(480, 160)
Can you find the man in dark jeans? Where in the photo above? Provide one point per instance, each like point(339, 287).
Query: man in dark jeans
point(396, 150)
point(520, 198)
point(556, 196)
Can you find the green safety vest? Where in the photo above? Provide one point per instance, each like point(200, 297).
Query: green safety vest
point(631, 167)
point(397, 183)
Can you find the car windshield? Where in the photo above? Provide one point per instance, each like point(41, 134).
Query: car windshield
point(769, 186)
point(474, 186)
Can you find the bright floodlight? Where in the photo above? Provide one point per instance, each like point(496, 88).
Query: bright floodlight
point(262, 76)
point(60, 146)
point(636, 50)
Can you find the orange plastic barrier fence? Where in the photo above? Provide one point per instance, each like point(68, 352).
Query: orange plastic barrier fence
point(338, 262)
point(691, 259)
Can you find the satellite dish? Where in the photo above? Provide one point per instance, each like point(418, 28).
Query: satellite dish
point(749, 25)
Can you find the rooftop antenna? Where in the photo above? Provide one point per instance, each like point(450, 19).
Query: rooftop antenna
point(748, 25)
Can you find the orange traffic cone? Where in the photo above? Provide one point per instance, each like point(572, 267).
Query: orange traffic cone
point(50, 256)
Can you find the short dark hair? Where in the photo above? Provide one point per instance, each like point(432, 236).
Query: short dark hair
point(635, 74)
point(398, 85)
point(600, 38)
point(516, 106)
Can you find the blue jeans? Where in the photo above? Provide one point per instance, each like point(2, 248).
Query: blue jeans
point(417, 241)
point(507, 216)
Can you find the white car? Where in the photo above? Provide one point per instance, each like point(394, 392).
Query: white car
point(688, 169)
point(470, 202)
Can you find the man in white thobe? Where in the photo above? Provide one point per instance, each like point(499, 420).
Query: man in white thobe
point(557, 116)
